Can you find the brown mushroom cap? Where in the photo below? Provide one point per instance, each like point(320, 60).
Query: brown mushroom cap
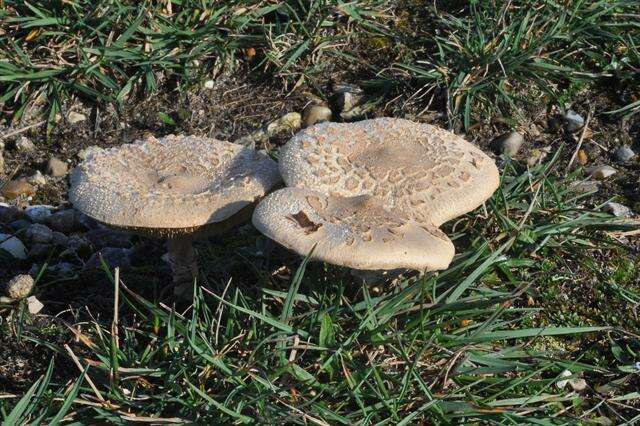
point(429, 174)
point(173, 185)
point(350, 231)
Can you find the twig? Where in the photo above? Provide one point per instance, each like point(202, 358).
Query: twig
point(77, 362)
point(582, 135)
point(24, 129)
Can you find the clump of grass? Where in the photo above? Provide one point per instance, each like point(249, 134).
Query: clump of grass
point(450, 347)
point(487, 55)
point(105, 51)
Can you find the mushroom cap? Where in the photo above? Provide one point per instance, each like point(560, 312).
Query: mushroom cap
point(171, 186)
point(429, 174)
point(350, 231)
point(19, 286)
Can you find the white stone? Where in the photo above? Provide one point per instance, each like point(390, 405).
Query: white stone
point(24, 144)
point(617, 209)
point(37, 179)
point(34, 305)
point(562, 383)
point(76, 117)
point(209, 84)
point(601, 172)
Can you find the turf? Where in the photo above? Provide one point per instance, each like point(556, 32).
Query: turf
point(543, 281)
point(317, 346)
point(472, 55)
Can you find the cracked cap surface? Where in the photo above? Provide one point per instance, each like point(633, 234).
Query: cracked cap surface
point(427, 173)
point(171, 183)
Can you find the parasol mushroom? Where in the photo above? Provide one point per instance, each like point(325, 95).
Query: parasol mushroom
point(427, 173)
point(177, 187)
point(350, 231)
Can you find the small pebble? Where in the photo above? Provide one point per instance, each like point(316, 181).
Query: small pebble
point(586, 186)
point(508, 144)
point(8, 213)
point(209, 84)
point(19, 224)
point(38, 233)
point(13, 246)
point(617, 209)
point(24, 144)
point(62, 269)
point(76, 117)
point(624, 154)
point(34, 305)
point(40, 250)
point(348, 96)
point(572, 121)
point(578, 384)
point(112, 256)
point(601, 172)
point(583, 158)
point(560, 384)
point(57, 167)
point(39, 213)
point(19, 286)
point(62, 221)
point(313, 114)
point(58, 239)
point(37, 179)
point(18, 188)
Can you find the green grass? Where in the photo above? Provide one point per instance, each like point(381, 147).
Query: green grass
point(478, 59)
point(540, 284)
point(488, 55)
point(106, 51)
point(462, 345)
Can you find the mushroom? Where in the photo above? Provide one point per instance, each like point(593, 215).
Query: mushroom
point(19, 287)
point(176, 187)
point(427, 173)
point(356, 232)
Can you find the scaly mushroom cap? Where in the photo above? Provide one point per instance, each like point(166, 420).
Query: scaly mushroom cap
point(355, 231)
point(171, 185)
point(429, 174)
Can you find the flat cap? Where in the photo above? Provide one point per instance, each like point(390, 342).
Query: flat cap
point(171, 183)
point(356, 232)
point(427, 173)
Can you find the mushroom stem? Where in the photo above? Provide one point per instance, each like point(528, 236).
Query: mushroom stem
point(183, 260)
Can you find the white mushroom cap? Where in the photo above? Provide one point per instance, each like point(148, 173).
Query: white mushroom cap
point(171, 185)
point(429, 174)
point(19, 286)
point(355, 232)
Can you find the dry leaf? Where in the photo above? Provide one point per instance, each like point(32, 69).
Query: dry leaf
point(304, 222)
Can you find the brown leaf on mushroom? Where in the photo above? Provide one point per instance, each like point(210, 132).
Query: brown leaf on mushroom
point(304, 222)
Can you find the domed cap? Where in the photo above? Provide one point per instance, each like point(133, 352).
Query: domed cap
point(171, 185)
point(429, 174)
point(350, 231)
